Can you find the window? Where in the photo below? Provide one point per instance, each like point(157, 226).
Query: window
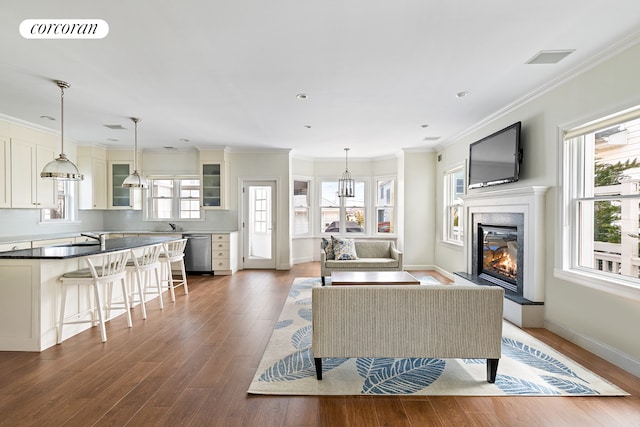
point(301, 220)
point(335, 211)
point(174, 198)
point(385, 204)
point(454, 185)
point(65, 209)
point(602, 199)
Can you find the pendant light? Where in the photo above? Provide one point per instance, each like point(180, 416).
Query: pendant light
point(61, 168)
point(346, 185)
point(135, 180)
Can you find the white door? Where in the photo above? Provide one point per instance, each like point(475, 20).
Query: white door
point(258, 224)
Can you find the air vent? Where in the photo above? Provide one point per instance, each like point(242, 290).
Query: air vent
point(115, 127)
point(550, 56)
point(431, 138)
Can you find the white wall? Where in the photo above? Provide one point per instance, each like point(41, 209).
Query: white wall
point(600, 322)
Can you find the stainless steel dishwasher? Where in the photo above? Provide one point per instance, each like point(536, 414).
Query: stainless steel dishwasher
point(197, 253)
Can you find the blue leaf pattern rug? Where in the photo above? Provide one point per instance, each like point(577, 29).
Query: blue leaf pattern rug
point(528, 367)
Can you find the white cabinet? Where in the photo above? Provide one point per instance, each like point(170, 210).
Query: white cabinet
point(52, 242)
point(5, 174)
point(224, 253)
point(28, 190)
point(213, 165)
point(4, 247)
point(92, 191)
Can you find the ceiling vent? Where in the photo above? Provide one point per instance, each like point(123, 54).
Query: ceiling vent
point(550, 56)
point(115, 127)
point(431, 138)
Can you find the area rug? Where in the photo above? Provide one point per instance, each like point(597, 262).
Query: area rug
point(527, 367)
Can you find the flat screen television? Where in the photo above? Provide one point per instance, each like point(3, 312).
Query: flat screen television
point(496, 159)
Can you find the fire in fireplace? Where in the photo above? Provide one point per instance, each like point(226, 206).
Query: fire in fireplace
point(499, 246)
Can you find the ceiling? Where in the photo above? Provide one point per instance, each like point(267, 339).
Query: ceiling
point(226, 73)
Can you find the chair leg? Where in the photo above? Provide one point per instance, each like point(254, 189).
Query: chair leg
point(141, 279)
point(158, 286)
point(62, 308)
point(492, 370)
point(127, 308)
point(103, 330)
point(318, 362)
point(170, 278)
point(184, 277)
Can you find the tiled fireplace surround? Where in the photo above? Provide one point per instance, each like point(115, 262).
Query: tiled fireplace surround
point(529, 203)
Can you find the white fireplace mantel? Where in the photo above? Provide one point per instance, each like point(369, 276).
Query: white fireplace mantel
point(529, 201)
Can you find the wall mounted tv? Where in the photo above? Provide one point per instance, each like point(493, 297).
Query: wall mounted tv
point(496, 159)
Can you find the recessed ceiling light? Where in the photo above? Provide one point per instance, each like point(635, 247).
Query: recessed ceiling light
point(307, 126)
point(462, 94)
point(550, 56)
point(113, 139)
point(47, 118)
point(431, 138)
point(424, 126)
point(169, 148)
point(184, 140)
point(115, 127)
point(302, 96)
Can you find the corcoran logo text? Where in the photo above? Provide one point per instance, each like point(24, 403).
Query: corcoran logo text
point(64, 29)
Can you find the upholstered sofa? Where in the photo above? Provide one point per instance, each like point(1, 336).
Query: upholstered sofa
point(438, 321)
point(372, 255)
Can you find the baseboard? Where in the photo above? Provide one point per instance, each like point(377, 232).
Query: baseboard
point(608, 353)
point(302, 260)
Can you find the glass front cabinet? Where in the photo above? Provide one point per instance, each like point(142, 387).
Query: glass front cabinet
point(120, 197)
point(213, 179)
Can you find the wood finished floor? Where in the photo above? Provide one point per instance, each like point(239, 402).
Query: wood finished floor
point(191, 364)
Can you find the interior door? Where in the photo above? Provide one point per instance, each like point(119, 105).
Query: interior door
point(259, 224)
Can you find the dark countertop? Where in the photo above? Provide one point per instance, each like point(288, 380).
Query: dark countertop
point(67, 251)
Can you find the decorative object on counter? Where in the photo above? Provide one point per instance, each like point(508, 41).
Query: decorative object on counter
point(103, 270)
point(135, 180)
point(346, 185)
point(61, 168)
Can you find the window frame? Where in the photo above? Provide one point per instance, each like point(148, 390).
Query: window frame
point(176, 199)
point(573, 165)
point(449, 202)
point(69, 195)
point(342, 209)
point(297, 207)
point(377, 206)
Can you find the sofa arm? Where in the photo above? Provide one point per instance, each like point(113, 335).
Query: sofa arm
point(397, 255)
point(323, 257)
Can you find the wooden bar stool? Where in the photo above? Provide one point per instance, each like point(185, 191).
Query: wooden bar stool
point(142, 263)
point(103, 271)
point(174, 254)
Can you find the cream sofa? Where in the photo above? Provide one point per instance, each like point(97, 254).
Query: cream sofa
point(439, 321)
point(373, 255)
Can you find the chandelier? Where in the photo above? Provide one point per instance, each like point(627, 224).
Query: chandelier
point(346, 185)
point(135, 180)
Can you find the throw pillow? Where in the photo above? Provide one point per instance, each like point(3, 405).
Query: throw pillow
point(327, 246)
point(344, 249)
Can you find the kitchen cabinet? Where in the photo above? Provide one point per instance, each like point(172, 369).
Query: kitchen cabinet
point(4, 247)
point(28, 190)
point(120, 197)
point(52, 242)
point(5, 174)
point(213, 165)
point(224, 253)
point(92, 191)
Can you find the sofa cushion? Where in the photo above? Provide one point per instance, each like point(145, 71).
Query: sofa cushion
point(364, 263)
point(327, 247)
point(344, 249)
point(374, 249)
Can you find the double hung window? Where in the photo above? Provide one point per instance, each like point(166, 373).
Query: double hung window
point(385, 205)
point(174, 198)
point(601, 190)
point(342, 214)
point(65, 209)
point(301, 217)
point(454, 185)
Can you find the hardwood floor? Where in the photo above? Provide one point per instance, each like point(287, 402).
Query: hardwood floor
point(191, 364)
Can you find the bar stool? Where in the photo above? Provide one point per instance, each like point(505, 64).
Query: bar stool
point(103, 271)
point(143, 261)
point(174, 254)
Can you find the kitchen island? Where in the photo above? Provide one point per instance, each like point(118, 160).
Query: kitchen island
point(31, 291)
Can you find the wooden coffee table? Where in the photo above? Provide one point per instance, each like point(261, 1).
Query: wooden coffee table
point(340, 278)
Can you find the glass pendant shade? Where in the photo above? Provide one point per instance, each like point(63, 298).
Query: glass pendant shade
point(135, 180)
point(61, 168)
point(346, 185)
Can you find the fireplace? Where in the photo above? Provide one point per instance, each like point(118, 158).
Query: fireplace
point(498, 249)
